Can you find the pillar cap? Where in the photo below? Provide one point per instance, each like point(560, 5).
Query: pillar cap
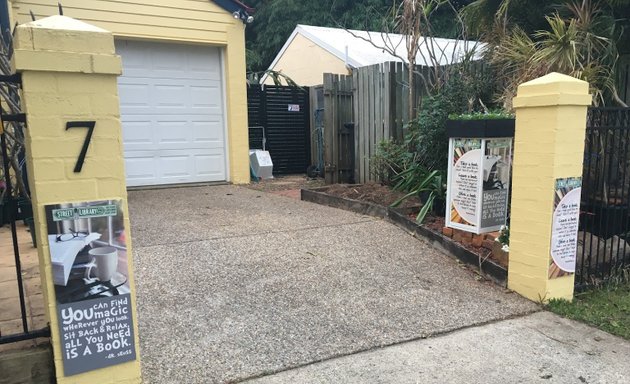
point(63, 23)
point(63, 44)
point(553, 89)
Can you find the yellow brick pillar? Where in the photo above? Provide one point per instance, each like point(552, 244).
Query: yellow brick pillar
point(548, 155)
point(69, 74)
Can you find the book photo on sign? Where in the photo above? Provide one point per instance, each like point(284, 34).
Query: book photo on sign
point(88, 250)
point(496, 164)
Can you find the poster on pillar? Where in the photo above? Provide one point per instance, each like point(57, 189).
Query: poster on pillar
point(565, 225)
point(88, 251)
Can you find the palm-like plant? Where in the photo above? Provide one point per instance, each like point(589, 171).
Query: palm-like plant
point(576, 42)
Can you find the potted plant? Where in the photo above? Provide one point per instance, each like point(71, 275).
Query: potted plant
point(501, 247)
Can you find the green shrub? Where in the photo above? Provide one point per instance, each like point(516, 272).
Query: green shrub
point(462, 93)
point(390, 159)
point(417, 165)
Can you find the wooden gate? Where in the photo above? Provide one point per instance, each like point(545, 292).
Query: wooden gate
point(339, 138)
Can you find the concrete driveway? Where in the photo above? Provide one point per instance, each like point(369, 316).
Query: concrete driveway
point(234, 284)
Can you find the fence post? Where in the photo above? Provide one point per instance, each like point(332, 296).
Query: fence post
point(69, 75)
point(548, 157)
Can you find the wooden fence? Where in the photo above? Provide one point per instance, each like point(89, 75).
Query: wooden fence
point(376, 99)
point(381, 108)
point(338, 147)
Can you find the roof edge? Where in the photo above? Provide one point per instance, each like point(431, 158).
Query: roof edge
point(234, 6)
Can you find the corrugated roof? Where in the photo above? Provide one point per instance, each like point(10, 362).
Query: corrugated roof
point(352, 47)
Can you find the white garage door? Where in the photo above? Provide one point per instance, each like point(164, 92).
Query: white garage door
point(171, 106)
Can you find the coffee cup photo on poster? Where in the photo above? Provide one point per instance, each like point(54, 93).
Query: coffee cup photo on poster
point(88, 250)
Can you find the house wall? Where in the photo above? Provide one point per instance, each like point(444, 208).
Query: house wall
point(306, 62)
point(186, 21)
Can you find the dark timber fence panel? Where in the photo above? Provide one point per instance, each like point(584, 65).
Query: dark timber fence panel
point(603, 248)
point(339, 142)
point(280, 115)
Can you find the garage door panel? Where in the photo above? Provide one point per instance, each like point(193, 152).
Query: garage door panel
point(173, 133)
point(170, 132)
point(173, 96)
point(133, 95)
point(178, 61)
point(141, 170)
point(172, 113)
point(210, 166)
point(209, 132)
point(138, 134)
point(207, 96)
point(173, 167)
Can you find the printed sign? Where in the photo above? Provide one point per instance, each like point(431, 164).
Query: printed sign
point(88, 254)
point(496, 182)
point(478, 183)
point(80, 212)
point(294, 107)
point(464, 181)
point(565, 225)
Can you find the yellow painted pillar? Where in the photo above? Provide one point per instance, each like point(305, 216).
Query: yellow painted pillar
point(236, 90)
point(69, 74)
point(548, 156)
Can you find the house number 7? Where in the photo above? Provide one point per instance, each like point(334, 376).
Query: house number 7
point(86, 144)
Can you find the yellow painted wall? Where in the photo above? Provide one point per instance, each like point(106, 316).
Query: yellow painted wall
point(186, 21)
point(69, 73)
point(306, 62)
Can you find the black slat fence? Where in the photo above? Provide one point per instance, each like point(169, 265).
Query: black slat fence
point(279, 119)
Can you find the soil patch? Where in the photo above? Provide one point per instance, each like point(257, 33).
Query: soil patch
point(372, 193)
point(286, 183)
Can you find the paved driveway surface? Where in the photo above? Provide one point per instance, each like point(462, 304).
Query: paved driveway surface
point(234, 284)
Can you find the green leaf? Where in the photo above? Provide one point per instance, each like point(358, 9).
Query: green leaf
point(425, 208)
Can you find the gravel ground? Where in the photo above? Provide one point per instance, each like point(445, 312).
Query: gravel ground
point(233, 283)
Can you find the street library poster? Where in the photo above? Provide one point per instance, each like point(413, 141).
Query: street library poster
point(565, 225)
point(91, 276)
